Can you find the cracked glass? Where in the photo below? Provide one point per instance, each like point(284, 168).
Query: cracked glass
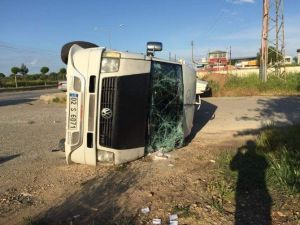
point(166, 112)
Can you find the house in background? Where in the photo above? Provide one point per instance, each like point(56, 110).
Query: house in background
point(288, 60)
point(298, 55)
point(217, 59)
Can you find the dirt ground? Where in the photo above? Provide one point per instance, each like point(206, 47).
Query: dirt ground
point(37, 187)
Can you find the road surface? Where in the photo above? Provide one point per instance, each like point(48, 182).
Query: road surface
point(11, 98)
point(237, 114)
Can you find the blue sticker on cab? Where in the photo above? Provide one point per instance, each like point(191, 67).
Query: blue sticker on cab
point(73, 95)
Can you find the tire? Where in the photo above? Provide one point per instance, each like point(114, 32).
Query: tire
point(208, 93)
point(66, 48)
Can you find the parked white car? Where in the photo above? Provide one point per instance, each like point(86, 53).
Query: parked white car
point(202, 88)
point(62, 85)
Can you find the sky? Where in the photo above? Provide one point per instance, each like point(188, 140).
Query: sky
point(33, 31)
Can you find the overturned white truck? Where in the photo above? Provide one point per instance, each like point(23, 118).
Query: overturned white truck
point(122, 105)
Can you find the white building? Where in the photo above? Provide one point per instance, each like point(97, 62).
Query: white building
point(298, 55)
point(288, 60)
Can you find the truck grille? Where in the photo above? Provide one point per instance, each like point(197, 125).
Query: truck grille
point(107, 102)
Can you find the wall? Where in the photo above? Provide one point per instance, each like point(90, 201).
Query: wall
point(246, 72)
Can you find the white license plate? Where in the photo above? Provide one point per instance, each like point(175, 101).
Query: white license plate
point(73, 115)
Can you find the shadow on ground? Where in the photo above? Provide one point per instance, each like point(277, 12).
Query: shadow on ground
point(280, 119)
point(15, 101)
point(281, 111)
point(201, 118)
point(253, 201)
point(4, 159)
point(96, 203)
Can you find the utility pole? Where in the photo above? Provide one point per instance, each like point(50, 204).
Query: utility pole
point(273, 39)
point(264, 42)
point(193, 60)
point(229, 66)
point(230, 55)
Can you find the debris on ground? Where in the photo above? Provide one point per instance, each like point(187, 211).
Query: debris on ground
point(60, 146)
point(156, 221)
point(173, 219)
point(11, 198)
point(161, 155)
point(145, 210)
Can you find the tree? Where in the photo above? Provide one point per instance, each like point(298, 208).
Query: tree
point(62, 73)
point(24, 70)
point(295, 59)
point(53, 76)
point(15, 71)
point(44, 70)
point(274, 56)
point(1, 79)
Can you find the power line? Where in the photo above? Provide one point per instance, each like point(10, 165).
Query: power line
point(18, 49)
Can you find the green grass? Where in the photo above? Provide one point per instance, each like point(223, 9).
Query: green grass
point(274, 84)
point(251, 85)
point(182, 211)
point(199, 157)
point(222, 191)
point(215, 87)
point(279, 148)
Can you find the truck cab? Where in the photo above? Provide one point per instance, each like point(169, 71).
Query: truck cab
point(121, 105)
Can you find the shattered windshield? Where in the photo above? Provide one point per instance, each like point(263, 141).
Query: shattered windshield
point(166, 113)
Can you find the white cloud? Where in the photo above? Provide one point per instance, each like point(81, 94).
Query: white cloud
point(241, 1)
point(34, 62)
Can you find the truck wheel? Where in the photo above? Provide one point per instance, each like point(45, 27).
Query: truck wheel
point(208, 93)
point(66, 48)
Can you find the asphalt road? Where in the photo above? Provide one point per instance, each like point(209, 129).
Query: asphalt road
point(240, 114)
point(12, 98)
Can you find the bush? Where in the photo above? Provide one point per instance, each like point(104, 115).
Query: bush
point(10, 83)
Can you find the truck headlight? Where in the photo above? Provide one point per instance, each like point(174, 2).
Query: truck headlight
point(110, 62)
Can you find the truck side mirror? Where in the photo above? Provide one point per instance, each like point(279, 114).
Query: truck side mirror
point(153, 47)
